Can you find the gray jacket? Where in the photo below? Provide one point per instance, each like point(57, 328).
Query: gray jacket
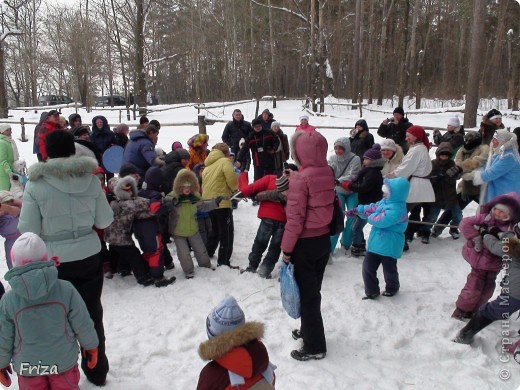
point(500, 247)
point(346, 167)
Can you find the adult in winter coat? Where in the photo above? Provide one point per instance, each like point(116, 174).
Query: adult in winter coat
point(42, 319)
point(263, 144)
point(392, 154)
point(84, 147)
point(305, 242)
point(454, 134)
point(140, 150)
point(219, 179)
point(8, 155)
point(282, 153)
point(121, 134)
point(346, 166)
point(36, 148)
point(395, 128)
point(62, 201)
point(491, 122)
point(238, 359)
point(360, 138)
point(470, 157)
point(235, 130)
point(304, 124)
point(174, 162)
point(415, 167)
point(74, 120)
point(51, 124)
point(503, 173)
point(266, 119)
point(102, 137)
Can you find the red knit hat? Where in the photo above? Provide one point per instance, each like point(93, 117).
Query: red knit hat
point(418, 132)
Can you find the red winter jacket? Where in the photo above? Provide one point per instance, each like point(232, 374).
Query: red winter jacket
point(271, 210)
point(46, 128)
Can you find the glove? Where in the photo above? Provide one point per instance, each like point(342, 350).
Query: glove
point(336, 182)
point(494, 231)
point(346, 185)
point(352, 213)
point(92, 356)
point(286, 257)
point(454, 171)
point(477, 178)
point(218, 199)
point(5, 379)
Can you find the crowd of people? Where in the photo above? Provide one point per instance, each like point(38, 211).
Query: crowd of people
point(70, 208)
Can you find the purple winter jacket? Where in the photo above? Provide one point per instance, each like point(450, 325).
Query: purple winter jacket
point(311, 191)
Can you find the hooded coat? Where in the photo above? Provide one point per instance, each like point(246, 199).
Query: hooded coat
point(310, 198)
point(219, 177)
point(239, 351)
point(45, 128)
point(102, 138)
point(455, 138)
point(389, 220)
point(346, 167)
point(415, 167)
point(369, 182)
point(444, 186)
point(140, 152)
point(469, 159)
point(62, 201)
point(487, 130)
point(42, 319)
point(394, 162)
point(362, 140)
point(43, 117)
point(6, 162)
point(172, 167)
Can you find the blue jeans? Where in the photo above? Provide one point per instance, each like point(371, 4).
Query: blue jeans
point(350, 201)
point(357, 231)
point(455, 212)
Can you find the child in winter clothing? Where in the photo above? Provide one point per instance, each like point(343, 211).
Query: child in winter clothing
point(148, 230)
point(9, 212)
point(127, 207)
point(499, 215)
point(368, 187)
point(203, 219)
point(388, 218)
point(272, 215)
point(445, 188)
point(239, 360)
point(42, 320)
point(198, 149)
point(507, 246)
point(346, 166)
point(183, 224)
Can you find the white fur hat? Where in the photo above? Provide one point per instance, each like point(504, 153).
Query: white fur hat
point(304, 116)
point(4, 127)
point(27, 249)
point(454, 121)
point(388, 144)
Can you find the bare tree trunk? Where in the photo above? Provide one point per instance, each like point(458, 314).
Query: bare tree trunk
point(3, 90)
point(371, 55)
point(313, 63)
point(140, 88)
point(382, 51)
point(413, 44)
point(273, 85)
point(403, 67)
point(475, 64)
point(356, 74)
point(321, 55)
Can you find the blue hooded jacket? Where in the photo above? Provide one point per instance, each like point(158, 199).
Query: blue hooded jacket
point(389, 219)
point(102, 138)
point(140, 152)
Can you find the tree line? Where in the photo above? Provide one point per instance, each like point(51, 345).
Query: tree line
point(207, 50)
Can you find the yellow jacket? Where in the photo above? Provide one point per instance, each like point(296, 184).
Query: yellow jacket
point(218, 178)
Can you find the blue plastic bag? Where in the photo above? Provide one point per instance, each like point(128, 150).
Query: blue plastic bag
point(290, 291)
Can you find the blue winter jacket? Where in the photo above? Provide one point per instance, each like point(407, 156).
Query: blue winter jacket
point(389, 219)
point(102, 138)
point(42, 319)
point(140, 152)
point(503, 175)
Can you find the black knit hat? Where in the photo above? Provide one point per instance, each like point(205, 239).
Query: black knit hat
point(399, 110)
point(494, 113)
point(60, 143)
point(154, 178)
point(78, 131)
point(256, 121)
point(127, 169)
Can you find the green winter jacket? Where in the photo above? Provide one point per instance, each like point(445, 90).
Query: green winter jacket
point(62, 201)
point(6, 162)
point(42, 319)
point(183, 219)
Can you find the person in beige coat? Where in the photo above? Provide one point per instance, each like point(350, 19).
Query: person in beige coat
point(219, 179)
point(392, 153)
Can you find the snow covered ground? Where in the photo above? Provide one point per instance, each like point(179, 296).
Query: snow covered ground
point(391, 343)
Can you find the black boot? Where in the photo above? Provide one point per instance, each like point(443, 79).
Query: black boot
point(475, 325)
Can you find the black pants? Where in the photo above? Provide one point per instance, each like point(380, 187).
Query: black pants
point(87, 277)
point(269, 230)
point(446, 216)
point(371, 263)
point(222, 235)
point(415, 215)
point(131, 255)
point(261, 171)
point(310, 256)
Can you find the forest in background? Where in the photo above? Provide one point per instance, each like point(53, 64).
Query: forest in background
point(209, 50)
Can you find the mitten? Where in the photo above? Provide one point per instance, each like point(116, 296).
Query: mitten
point(477, 178)
point(218, 199)
point(158, 161)
point(495, 231)
point(352, 213)
point(477, 244)
point(346, 185)
point(5, 379)
point(92, 357)
point(482, 229)
point(454, 171)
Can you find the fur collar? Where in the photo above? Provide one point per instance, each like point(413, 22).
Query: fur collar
point(63, 167)
point(120, 193)
point(184, 176)
point(222, 344)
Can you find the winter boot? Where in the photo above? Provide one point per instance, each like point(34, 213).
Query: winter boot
point(425, 238)
point(302, 355)
point(146, 280)
point(461, 315)
point(475, 325)
point(454, 233)
point(436, 232)
point(163, 282)
point(370, 297)
point(357, 250)
point(516, 354)
point(297, 334)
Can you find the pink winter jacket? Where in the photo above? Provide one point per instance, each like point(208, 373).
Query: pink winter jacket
point(484, 259)
point(305, 128)
point(311, 191)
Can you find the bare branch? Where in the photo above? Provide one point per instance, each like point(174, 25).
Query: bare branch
point(10, 32)
point(156, 60)
point(298, 15)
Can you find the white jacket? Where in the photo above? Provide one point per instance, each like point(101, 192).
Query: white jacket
point(415, 167)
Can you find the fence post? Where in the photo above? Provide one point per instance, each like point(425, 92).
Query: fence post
point(257, 107)
point(120, 115)
point(22, 123)
point(127, 113)
point(360, 101)
point(134, 112)
point(202, 123)
point(274, 101)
